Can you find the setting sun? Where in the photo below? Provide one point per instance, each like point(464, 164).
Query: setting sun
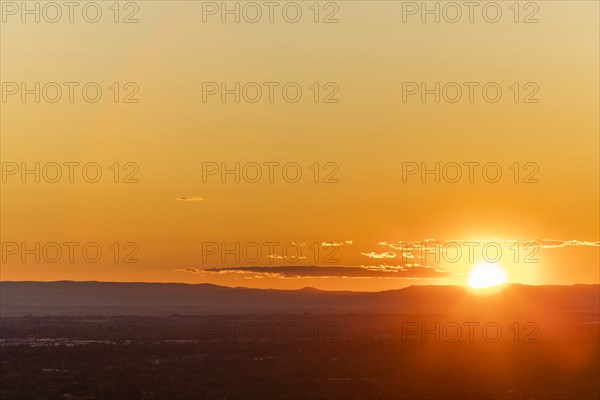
point(484, 275)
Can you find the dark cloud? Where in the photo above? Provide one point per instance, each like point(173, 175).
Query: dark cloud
point(409, 271)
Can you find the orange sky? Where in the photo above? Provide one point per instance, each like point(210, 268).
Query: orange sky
point(176, 215)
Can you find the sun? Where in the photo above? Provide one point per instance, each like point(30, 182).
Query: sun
point(485, 274)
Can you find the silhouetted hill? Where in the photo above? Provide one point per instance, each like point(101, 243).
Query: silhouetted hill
point(113, 298)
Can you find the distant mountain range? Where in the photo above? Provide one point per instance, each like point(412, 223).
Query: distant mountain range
point(114, 298)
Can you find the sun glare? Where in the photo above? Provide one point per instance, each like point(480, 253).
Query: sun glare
point(486, 275)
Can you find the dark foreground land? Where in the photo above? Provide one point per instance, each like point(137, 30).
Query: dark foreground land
point(302, 356)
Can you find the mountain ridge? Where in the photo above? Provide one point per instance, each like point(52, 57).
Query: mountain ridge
point(152, 298)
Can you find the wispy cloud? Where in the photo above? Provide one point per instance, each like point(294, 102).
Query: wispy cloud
point(387, 254)
point(287, 258)
point(443, 245)
point(337, 244)
point(189, 198)
point(195, 271)
point(553, 244)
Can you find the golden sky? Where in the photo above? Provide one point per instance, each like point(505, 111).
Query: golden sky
point(361, 129)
